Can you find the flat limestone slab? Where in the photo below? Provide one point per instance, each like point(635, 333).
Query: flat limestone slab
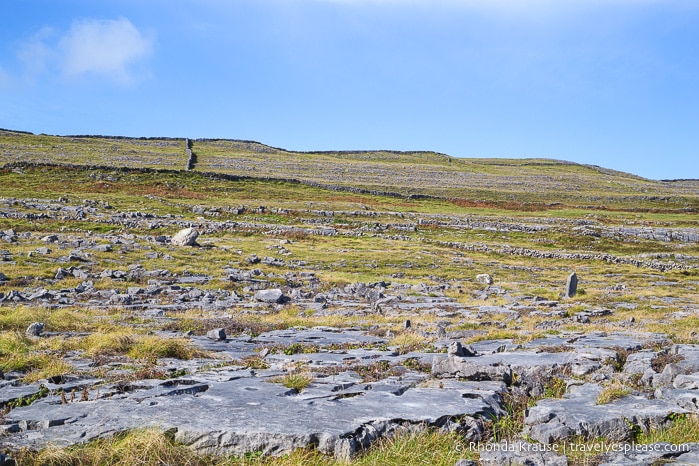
point(247, 414)
point(578, 414)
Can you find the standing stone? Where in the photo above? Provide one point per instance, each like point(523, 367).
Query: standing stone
point(35, 329)
point(571, 285)
point(484, 278)
point(186, 237)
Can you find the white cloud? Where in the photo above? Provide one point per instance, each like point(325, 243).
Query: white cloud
point(110, 48)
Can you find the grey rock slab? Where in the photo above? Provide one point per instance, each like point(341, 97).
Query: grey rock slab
point(320, 336)
point(687, 399)
point(629, 342)
point(247, 415)
point(690, 458)
point(521, 454)
point(272, 296)
point(690, 382)
point(240, 344)
point(578, 414)
point(494, 346)
point(652, 454)
point(12, 391)
point(638, 363)
point(333, 358)
point(500, 366)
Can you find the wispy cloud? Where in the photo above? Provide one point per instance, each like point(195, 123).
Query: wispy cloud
point(112, 50)
point(104, 47)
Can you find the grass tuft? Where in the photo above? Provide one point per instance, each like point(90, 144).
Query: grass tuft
point(611, 393)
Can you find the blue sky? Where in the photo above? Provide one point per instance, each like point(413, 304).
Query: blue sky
point(606, 82)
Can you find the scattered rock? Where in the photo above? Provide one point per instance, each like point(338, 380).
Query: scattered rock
point(186, 237)
point(6, 460)
point(273, 296)
point(35, 329)
point(216, 334)
point(484, 279)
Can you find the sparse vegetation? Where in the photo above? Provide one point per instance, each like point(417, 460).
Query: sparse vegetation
point(294, 381)
point(422, 238)
point(612, 392)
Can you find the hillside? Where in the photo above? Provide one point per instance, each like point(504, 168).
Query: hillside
point(249, 305)
point(528, 184)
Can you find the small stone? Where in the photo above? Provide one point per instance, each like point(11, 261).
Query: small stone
point(35, 329)
point(186, 237)
point(571, 285)
point(3, 277)
point(484, 279)
point(455, 349)
point(103, 248)
point(253, 259)
point(216, 334)
point(407, 324)
point(6, 460)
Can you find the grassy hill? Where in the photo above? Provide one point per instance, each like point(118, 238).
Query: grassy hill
point(515, 184)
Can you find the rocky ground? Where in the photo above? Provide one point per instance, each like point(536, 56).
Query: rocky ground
point(273, 347)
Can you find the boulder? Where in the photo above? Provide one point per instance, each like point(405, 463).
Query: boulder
point(186, 237)
point(484, 279)
point(35, 329)
point(216, 334)
point(273, 296)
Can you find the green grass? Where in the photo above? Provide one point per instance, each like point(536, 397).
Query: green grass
point(683, 429)
point(492, 184)
point(153, 448)
point(611, 393)
point(19, 353)
point(368, 248)
point(294, 381)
